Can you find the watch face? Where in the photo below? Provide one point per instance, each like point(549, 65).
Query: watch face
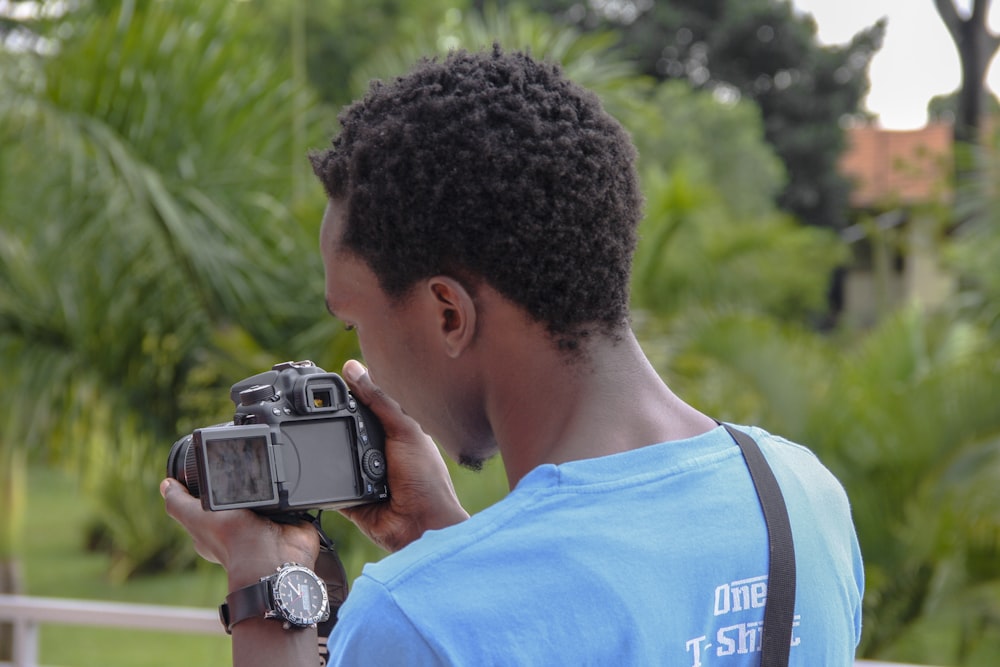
point(300, 596)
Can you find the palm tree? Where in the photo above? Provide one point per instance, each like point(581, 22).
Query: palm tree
point(149, 252)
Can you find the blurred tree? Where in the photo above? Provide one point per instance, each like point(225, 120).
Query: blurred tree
point(975, 246)
point(944, 108)
point(587, 58)
point(23, 22)
point(976, 46)
point(764, 51)
point(908, 421)
point(336, 36)
point(712, 237)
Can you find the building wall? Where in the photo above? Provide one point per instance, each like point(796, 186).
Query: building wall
point(909, 171)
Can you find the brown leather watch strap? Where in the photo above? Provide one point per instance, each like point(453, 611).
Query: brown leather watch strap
point(253, 601)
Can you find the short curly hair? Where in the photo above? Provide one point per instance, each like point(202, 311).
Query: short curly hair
point(492, 166)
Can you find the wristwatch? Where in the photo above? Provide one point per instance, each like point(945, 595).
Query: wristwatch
point(294, 595)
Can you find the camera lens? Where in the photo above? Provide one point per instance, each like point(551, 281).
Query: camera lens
point(181, 465)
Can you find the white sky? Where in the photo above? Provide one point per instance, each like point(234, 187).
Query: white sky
point(917, 60)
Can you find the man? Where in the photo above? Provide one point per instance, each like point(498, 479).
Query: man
point(481, 223)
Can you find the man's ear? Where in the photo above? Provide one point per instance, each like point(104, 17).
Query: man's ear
point(456, 313)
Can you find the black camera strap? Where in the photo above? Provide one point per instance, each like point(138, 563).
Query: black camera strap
point(779, 610)
point(331, 570)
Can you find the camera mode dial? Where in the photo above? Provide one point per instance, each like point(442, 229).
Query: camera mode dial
point(257, 394)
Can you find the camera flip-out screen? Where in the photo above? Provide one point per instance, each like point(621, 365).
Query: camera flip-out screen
point(239, 467)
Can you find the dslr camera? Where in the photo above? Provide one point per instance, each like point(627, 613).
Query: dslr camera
point(299, 441)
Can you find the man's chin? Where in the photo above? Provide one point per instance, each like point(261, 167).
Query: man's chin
point(472, 454)
point(474, 459)
point(469, 462)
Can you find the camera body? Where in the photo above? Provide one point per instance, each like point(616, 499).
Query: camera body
point(299, 441)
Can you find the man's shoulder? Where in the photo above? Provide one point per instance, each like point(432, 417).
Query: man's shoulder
point(652, 543)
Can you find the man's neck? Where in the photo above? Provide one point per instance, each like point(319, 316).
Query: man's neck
point(553, 410)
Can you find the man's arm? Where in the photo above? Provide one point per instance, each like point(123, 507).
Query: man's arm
point(249, 547)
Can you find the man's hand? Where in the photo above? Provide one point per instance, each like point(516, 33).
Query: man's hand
point(248, 545)
point(421, 494)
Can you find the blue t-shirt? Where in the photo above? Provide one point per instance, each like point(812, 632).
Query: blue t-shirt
point(656, 556)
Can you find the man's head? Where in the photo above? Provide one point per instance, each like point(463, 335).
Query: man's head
point(492, 167)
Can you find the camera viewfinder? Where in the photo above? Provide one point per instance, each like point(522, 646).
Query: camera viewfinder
point(321, 398)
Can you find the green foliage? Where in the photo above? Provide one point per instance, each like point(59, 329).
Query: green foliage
point(974, 253)
point(710, 138)
point(696, 254)
point(127, 508)
point(916, 405)
point(746, 367)
point(586, 58)
point(57, 565)
point(332, 38)
point(711, 235)
point(150, 159)
point(135, 149)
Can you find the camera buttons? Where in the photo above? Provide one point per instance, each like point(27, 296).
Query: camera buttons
point(373, 464)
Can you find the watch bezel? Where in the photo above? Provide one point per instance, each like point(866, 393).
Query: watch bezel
point(290, 616)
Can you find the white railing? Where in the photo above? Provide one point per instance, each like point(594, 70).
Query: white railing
point(27, 613)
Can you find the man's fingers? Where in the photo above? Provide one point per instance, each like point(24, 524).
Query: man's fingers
point(178, 501)
point(368, 392)
point(359, 379)
point(185, 510)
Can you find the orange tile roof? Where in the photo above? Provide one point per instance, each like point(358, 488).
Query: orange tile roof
point(898, 166)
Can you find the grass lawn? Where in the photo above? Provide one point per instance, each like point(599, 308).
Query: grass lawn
point(57, 565)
